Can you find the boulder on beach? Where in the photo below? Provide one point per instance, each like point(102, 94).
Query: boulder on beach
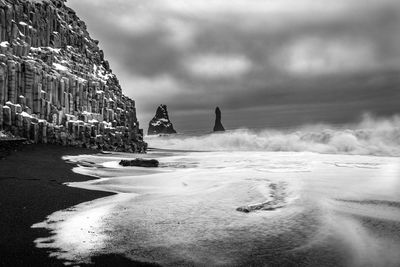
point(269, 205)
point(161, 124)
point(218, 124)
point(148, 163)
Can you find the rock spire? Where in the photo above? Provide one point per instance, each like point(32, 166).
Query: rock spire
point(218, 125)
point(161, 124)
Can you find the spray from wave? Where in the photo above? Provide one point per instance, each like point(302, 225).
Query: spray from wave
point(371, 136)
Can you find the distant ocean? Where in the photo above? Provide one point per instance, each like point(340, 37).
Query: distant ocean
point(379, 137)
point(331, 198)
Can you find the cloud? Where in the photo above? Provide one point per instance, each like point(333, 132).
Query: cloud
point(156, 85)
point(181, 33)
point(243, 54)
point(211, 66)
point(264, 7)
point(315, 56)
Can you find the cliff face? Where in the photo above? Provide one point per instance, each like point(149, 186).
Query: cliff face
point(55, 85)
point(161, 124)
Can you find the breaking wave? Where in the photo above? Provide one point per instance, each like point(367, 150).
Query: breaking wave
point(371, 136)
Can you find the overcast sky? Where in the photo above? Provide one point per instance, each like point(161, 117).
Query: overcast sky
point(264, 62)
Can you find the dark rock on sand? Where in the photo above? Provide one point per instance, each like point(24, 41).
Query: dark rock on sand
point(218, 125)
point(269, 205)
point(149, 163)
point(161, 124)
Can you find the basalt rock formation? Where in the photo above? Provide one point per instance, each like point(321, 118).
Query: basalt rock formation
point(55, 85)
point(161, 124)
point(147, 163)
point(218, 125)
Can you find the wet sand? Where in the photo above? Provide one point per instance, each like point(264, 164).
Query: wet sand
point(349, 216)
point(315, 210)
point(31, 188)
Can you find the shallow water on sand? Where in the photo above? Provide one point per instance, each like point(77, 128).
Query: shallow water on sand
point(328, 210)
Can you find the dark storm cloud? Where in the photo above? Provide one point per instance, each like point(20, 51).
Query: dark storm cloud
point(193, 55)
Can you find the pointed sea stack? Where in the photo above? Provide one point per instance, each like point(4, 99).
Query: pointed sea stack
point(161, 124)
point(218, 125)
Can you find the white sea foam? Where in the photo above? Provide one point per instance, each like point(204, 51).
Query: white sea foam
point(371, 136)
point(187, 216)
point(304, 207)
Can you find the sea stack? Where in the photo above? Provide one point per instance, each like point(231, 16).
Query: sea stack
point(161, 124)
point(218, 125)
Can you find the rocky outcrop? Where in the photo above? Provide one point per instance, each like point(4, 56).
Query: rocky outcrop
point(161, 124)
point(55, 85)
point(148, 163)
point(218, 124)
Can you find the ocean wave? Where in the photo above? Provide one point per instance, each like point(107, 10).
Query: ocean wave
point(371, 136)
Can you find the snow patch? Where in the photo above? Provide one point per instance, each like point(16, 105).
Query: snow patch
point(60, 67)
point(5, 44)
point(26, 115)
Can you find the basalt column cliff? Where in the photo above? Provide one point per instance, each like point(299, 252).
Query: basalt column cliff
point(55, 85)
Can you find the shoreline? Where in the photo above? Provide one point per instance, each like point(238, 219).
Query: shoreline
point(31, 188)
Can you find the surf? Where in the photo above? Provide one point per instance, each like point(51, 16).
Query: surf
point(370, 136)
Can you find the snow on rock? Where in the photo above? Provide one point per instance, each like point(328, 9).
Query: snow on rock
point(70, 95)
point(5, 44)
point(161, 124)
point(24, 114)
point(60, 67)
point(3, 134)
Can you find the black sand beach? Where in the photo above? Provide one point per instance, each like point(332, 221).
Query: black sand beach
point(31, 187)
